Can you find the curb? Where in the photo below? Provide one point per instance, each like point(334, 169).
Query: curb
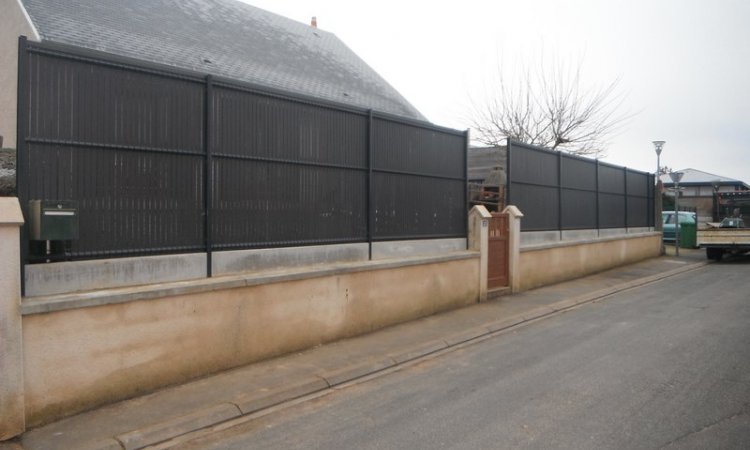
point(164, 431)
point(253, 402)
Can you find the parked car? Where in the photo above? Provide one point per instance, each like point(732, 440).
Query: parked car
point(668, 223)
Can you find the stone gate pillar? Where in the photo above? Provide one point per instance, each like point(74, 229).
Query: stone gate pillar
point(12, 420)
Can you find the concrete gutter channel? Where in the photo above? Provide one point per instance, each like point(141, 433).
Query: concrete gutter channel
point(315, 381)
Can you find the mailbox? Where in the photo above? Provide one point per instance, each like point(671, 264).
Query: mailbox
point(53, 220)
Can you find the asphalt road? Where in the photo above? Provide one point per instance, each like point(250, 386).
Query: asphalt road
point(666, 365)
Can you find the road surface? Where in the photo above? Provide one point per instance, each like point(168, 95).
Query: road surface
point(666, 365)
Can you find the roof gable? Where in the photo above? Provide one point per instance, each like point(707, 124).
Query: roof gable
point(225, 38)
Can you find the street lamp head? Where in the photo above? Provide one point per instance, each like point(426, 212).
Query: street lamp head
point(715, 184)
point(658, 146)
point(676, 176)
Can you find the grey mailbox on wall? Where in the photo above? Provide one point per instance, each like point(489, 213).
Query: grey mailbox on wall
point(53, 220)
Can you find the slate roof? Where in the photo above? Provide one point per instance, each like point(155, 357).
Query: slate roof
point(695, 177)
point(225, 38)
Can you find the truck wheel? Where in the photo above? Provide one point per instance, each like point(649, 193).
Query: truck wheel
point(714, 253)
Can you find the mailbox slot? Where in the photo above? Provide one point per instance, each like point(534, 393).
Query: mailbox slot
point(52, 220)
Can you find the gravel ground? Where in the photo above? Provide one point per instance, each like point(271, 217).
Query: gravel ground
point(7, 172)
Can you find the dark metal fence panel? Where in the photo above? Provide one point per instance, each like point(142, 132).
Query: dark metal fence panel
point(534, 166)
point(419, 182)
point(125, 145)
point(578, 190)
point(639, 194)
point(566, 192)
point(534, 186)
point(415, 149)
point(286, 172)
point(161, 160)
point(267, 204)
point(611, 179)
point(409, 207)
point(578, 173)
point(612, 200)
point(578, 209)
point(611, 210)
point(540, 206)
point(84, 104)
point(257, 126)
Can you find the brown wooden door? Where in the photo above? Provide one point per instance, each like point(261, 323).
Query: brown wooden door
point(497, 270)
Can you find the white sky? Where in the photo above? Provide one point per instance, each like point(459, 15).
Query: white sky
point(684, 64)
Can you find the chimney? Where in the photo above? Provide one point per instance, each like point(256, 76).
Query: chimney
point(314, 22)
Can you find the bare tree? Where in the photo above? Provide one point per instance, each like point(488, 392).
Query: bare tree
point(550, 108)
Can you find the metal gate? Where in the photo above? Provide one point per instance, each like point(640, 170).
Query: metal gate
point(497, 271)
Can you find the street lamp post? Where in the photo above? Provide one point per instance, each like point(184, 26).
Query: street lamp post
point(658, 145)
point(676, 177)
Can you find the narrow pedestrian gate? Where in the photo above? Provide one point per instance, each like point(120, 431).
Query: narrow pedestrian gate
point(497, 270)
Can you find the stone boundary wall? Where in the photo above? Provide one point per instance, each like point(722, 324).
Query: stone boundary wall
point(82, 351)
point(554, 262)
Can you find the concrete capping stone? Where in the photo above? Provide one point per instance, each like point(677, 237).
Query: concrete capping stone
point(241, 261)
point(52, 303)
point(10, 211)
point(417, 247)
point(80, 276)
point(180, 425)
point(579, 235)
point(529, 238)
point(608, 232)
point(618, 237)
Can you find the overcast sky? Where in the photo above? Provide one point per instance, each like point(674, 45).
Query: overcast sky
point(684, 64)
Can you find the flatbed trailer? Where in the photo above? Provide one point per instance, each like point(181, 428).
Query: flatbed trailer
point(722, 240)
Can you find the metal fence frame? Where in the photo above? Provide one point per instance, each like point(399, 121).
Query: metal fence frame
point(409, 176)
point(559, 191)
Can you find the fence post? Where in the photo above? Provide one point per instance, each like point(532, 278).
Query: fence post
point(514, 247)
point(12, 413)
point(479, 223)
point(22, 159)
point(625, 195)
point(598, 222)
point(466, 174)
point(370, 190)
point(208, 178)
point(508, 173)
point(559, 194)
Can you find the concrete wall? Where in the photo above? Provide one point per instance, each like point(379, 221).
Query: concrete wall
point(78, 357)
point(555, 262)
point(81, 276)
point(533, 238)
point(13, 23)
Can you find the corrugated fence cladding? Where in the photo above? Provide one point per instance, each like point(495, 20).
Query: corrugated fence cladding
point(559, 191)
point(162, 160)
